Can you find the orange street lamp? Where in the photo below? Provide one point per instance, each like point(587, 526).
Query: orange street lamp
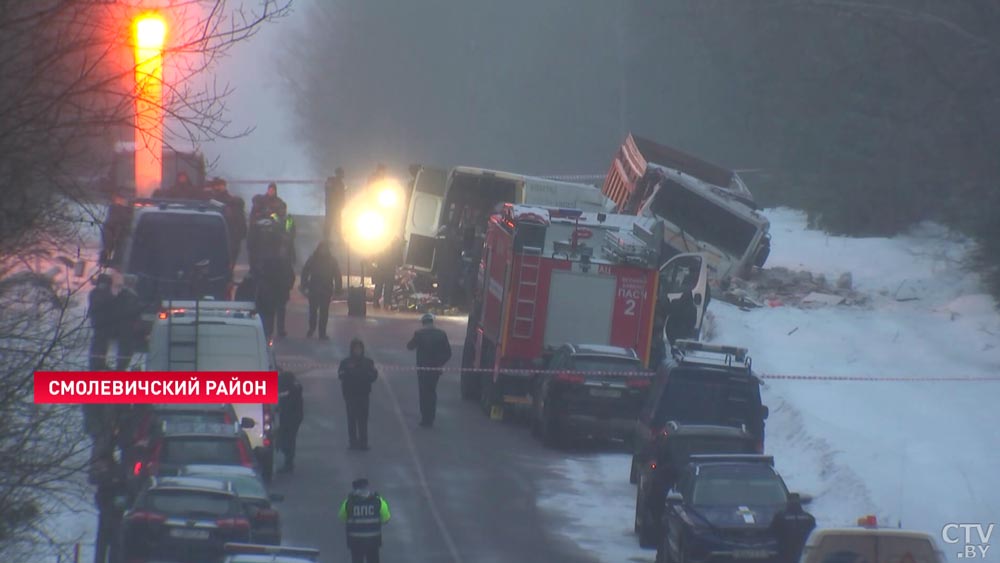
point(149, 31)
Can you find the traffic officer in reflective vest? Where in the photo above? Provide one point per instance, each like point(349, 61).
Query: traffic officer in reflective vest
point(365, 512)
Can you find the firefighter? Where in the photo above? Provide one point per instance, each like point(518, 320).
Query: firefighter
point(101, 314)
point(335, 196)
point(320, 279)
point(791, 527)
point(364, 512)
point(128, 317)
point(683, 318)
point(113, 230)
point(433, 352)
point(357, 373)
point(268, 203)
point(292, 409)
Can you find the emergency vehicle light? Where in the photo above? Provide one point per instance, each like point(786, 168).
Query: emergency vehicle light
point(869, 521)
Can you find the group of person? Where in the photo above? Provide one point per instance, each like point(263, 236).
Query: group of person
point(113, 317)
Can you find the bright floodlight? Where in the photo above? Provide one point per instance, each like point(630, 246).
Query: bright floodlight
point(150, 32)
point(370, 226)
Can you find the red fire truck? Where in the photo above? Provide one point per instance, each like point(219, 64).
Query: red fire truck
point(552, 276)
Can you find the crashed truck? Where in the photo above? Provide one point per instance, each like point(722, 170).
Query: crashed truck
point(703, 207)
point(550, 276)
point(448, 211)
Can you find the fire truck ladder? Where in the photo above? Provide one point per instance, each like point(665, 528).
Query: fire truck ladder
point(182, 341)
point(527, 292)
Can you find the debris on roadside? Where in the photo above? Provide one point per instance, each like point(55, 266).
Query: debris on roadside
point(782, 287)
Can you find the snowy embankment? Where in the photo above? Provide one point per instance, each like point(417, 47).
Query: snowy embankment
point(922, 454)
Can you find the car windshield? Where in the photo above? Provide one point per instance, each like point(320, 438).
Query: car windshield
point(167, 245)
point(738, 485)
point(188, 502)
point(247, 486)
point(201, 450)
point(604, 363)
point(698, 397)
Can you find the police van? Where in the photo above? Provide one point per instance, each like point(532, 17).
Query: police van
point(218, 336)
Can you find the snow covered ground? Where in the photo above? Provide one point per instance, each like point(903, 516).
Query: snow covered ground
point(922, 454)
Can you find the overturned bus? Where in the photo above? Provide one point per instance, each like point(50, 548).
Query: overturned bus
point(457, 204)
point(703, 207)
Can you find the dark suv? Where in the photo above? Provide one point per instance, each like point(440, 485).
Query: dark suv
point(588, 390)
point(183, 444)
point(704, 384)
point(660, 457)
point(732, 508)
point(184, 519)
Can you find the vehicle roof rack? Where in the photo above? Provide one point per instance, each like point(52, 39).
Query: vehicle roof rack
point(751, 458)
point(703, 353)
point(208, 308)
point(167, 203)
point(275, 551)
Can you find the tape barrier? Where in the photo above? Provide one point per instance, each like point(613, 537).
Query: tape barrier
point(301, 365)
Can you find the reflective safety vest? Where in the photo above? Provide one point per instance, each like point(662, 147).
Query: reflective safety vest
point(364, 516)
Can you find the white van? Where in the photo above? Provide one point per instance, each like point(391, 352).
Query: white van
point(441, 196)
point(218, 336)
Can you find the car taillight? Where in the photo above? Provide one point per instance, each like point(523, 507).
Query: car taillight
point(638, 382)
point(569, 377)
point(237, 524)
point(266, 515)
point(268, 420)
point(137, 468)
point(245, 458)
point(146, 516)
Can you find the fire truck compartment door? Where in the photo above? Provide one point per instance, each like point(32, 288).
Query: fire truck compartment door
point(685, 272)
point(580, 308)
point(423, 218)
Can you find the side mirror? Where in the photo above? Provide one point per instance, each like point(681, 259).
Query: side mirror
point(697, 299)
point(276, 497)
point(674, 497)
point(800, 498)
point(764, 412)
point(247, 422)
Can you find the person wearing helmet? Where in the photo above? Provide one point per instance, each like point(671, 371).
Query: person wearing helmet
point(433, 352)
point(263, 205)
point(357, 373)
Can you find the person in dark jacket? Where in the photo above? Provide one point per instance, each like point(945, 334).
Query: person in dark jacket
point(128, 319)
point(433, 352)
point(275, 279)
point(111, 501)
point(364, 512)
point(292, 409)
point(320, 278)
point(113, 231)
point(335, 196)
point(384, 275)
point(357, 373)
point(234, 212)
point(683, 318)
point(100, 311)
point(268, 203)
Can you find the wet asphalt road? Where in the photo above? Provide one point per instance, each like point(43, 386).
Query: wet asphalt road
point(463, 491)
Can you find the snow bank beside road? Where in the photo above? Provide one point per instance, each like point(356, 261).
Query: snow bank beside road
point(920, 453)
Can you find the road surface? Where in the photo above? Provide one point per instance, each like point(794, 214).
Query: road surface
point(463, 491)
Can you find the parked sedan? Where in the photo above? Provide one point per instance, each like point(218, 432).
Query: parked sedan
point(184, 519)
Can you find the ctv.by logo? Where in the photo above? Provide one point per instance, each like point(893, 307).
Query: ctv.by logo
point(974, 539)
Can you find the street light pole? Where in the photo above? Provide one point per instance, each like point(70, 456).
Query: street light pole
point(149, 32)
